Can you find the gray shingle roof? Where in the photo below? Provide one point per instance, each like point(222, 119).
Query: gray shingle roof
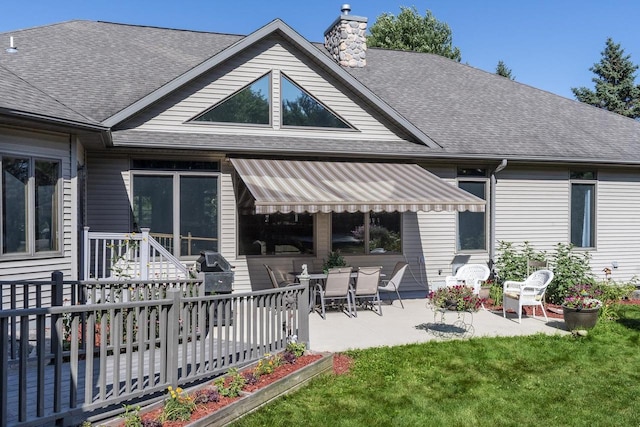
point(470, 111)
point(99, 68)
point(96, 69)
point(268, 144)
point(19, 97)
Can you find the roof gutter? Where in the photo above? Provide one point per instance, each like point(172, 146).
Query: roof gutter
point(54, 120)
point(492, 213)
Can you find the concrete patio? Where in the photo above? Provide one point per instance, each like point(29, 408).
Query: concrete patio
point(414, 324)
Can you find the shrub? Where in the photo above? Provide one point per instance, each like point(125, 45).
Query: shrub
point(231, 385)
point(267, 364)
point(512, 262)
point(178, 406)
point(297, 348)
point(206, 395)
point(569, 269)
point(132, 416)
point(335, 259)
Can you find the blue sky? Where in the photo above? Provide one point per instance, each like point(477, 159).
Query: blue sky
point(548, 44)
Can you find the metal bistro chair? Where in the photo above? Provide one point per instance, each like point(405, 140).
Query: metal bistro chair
point(337, 288)
point(393, 283)
point(367, 288)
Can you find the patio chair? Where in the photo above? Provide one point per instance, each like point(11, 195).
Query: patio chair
point(393, 283)
point(336, 289)
point(274, 281)
point(367, 289)
point(516, 295)
point(471, 275)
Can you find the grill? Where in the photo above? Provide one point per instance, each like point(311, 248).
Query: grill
point(218, 277)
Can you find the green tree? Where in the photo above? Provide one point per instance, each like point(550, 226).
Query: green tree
point(504, 71)
point(615, 88)
point(410, 31)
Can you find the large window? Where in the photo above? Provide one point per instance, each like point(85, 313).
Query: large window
point(472, 226)
point(250, 105)
point(30, 205)
point(583, 208)
point(366, 233)
point(301, 109)
point(275, 234)
point(180, 208)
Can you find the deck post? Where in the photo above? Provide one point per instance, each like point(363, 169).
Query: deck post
point(173, 334)
point(304, 308)
point(86, 254)
point(144, 254)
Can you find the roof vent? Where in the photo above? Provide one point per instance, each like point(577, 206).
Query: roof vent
point(12, 48)
point(346, 8)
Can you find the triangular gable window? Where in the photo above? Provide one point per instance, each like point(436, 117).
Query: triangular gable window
point(301, 109)
point(250, 105)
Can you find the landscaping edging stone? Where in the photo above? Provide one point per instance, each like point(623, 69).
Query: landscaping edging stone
point(249, 401)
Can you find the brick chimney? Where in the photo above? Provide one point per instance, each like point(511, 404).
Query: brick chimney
point(346, 41)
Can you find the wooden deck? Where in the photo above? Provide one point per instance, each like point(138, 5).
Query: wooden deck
point(144, 375)
point(138, 346)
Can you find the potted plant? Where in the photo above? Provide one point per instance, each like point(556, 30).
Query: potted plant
point(456, 298)
point(581, 307)
point(335, 259)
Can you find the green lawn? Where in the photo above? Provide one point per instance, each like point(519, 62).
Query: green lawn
point(520, 381)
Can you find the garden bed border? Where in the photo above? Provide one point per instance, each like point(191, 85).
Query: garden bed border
point(249, 400)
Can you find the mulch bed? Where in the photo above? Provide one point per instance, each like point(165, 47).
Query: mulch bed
point(341, 365)
point(553, 311)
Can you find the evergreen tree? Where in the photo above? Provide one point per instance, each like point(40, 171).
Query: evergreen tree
point(615, 88)
point(504, 71)
point(410, 31)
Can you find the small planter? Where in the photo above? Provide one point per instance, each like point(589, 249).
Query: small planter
point(585, 318)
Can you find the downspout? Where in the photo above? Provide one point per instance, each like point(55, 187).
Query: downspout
point(492, 214)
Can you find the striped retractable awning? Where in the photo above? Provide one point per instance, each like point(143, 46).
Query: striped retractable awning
point(313, 186)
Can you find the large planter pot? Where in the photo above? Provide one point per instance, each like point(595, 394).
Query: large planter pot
point(585, 318)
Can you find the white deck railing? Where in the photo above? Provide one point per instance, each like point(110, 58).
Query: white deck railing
point(128, 256)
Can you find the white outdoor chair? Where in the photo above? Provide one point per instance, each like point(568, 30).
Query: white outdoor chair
point(471, 275)
point(516, 295)
point(336, 288)
point(393, 283)
point(367, 288)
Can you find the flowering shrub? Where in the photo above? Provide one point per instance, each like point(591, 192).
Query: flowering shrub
point(582, 296)
point(458, 297)
point(267, 364)
point(178, 406)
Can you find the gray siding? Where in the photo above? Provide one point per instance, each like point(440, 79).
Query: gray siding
point(108, 208)
point(274, 55)
point(617, 224)
point(48, 146)
point(533, 205)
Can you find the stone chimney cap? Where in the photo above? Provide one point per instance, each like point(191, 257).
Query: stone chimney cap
point(346, 8)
